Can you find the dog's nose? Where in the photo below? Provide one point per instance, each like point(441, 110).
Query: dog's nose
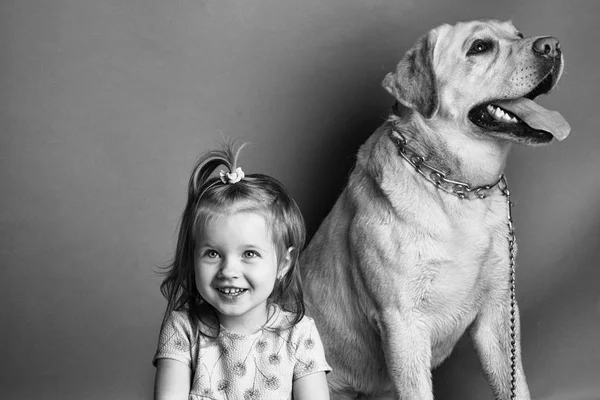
point(547, 47)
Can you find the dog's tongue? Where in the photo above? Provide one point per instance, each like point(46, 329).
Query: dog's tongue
point(537, 116)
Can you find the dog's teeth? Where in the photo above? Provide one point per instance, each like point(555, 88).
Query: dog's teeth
point(500, 114)
point(507, 117)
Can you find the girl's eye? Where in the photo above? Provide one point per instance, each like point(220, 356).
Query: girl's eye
point(211, 254)
point(479, 46)
point(250, 254)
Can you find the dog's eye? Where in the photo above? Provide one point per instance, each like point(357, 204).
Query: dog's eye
point(479, 46)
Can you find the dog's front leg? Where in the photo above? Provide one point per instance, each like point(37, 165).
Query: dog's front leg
point(407, 348)
point(492, 339)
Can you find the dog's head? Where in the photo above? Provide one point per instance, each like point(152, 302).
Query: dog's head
point(482, 77)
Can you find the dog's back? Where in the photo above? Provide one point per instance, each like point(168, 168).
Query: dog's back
point(335, 293)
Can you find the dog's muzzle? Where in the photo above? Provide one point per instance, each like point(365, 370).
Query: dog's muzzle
point(522, 119)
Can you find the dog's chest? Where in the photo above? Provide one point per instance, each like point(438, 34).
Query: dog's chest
point(460, 262)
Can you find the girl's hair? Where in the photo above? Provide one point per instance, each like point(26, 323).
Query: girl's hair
point(208, 198)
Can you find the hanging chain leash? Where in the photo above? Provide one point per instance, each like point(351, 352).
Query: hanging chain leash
point(512, 243)
point(463, 190)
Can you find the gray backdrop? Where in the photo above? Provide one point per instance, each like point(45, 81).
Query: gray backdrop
point(105, 106)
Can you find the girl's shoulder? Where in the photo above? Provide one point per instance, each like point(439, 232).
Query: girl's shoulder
point(179, 321)
point(186, 322)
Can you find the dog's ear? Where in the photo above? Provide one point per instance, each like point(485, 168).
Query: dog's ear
point(413, 84)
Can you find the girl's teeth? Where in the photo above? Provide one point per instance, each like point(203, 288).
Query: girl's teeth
point(231, 290)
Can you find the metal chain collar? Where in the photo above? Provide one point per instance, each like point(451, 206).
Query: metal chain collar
point(464, 190)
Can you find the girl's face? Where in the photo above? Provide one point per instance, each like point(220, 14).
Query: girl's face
point(236, 268)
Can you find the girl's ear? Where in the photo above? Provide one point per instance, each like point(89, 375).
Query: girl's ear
point(286, 264)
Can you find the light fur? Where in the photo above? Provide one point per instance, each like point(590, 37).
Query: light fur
point(399, 270)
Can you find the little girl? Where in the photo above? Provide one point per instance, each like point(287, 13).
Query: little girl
point(235, 327)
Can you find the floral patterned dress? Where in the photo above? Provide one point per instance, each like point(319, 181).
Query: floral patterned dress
point(259, 366)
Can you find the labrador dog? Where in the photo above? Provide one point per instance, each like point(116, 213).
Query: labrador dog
point(418, 247)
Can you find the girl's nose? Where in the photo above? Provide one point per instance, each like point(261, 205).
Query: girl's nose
point(230, 269)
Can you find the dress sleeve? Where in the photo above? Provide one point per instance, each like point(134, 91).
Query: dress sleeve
point(176, 339)
point(310, 355)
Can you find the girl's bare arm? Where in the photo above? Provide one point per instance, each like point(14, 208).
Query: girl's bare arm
point(172, 380)
point(311, 387)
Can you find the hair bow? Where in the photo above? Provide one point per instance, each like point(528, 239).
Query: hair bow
point(232, 177)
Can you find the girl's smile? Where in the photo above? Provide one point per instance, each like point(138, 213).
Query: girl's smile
point(236, 268)
point(231, 292)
